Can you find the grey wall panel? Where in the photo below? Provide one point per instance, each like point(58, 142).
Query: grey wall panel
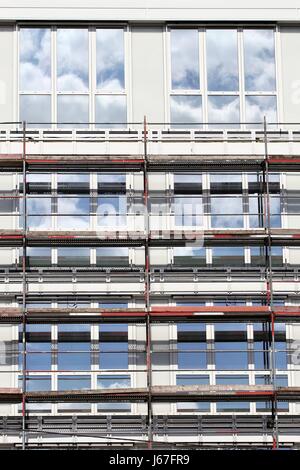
point(147, 74)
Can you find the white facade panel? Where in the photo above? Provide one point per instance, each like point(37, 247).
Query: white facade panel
point(148, 68)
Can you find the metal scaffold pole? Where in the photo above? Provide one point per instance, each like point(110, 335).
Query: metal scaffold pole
point(147, 288)
point(24, 289)
point(269, 278)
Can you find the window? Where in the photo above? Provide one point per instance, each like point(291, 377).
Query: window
point(191, 345)
point(192, 380)
point(188, 256)
point(73, 213)
point(233, 406)
point(240, 77)
point(111, 111)
point(36, 383)
point(188, 211)
point(232, 380)
point(38, 257)
point(185, 66)
point(113, 355)
point(113, 347)
point(39, 213)
point(186, 111)
point(38, 348)
point(231, 355)
point(226, 200)
point(187, 183)
point(258, 256)
point(74, 382)
point(112, 304)
point(112, 211)
point(110, 108)
point(227, 212)
point(110, 59)
point(228, 256)
point(83, 92)
point(73, 183)
point(263, 347)
point(74, 348)
point(112, 257)
point(73, 256)
point(113, 381)
point(38, 355)
point(35, 75)
point(281, 381)
point(111, 183)
point(222, 60)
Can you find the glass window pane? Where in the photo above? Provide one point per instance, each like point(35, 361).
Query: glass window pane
point(112, 211)
point(35, 109)
point(36, 383)
point(188, 211)
point(37, 210)
point(191, 355)
point(38, 256)
point(232, 380)
point(189, 256)
point(222, 60)
point(228, 256)
point(110, 257)
point(185, 59)
point(110, 59)
point(236, 406)
point(72, 109)
point(223, 110)
point(113, 381)
point(259, 106)
point(231, 355)
point(111, 111)
point(72, 60)
point(35, 60)
point(186, 110)
point(76, 212)
point(192, 380)
point(259, 60)
point(111, 178)
point(73, 205)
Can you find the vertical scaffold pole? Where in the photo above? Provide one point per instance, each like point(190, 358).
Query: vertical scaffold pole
point(269, 277)
point(24, 289)
point(147, 288)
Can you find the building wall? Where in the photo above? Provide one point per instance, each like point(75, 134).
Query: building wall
point(7, 75)
point(152, 10)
